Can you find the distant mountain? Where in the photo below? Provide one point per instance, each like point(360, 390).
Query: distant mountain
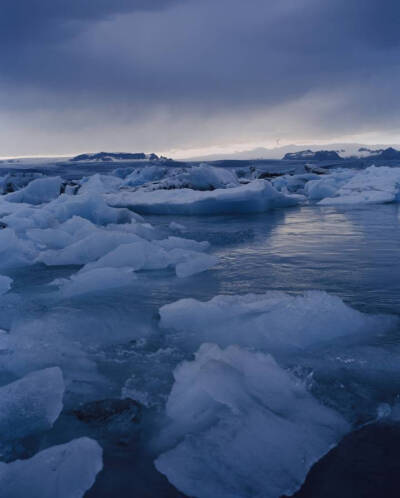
point(386, 154)
point(309, 155)
point(115, 156)
point(344, 150)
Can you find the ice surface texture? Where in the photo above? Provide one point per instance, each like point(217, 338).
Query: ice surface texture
point(241, 426)
point(31, 404)
point(370, 186)
point(256, 197)
point(65, 471)
point(274, 321)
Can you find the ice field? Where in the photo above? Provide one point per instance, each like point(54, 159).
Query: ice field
point(171, 330)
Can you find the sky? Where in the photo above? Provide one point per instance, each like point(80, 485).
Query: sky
point(182, 77)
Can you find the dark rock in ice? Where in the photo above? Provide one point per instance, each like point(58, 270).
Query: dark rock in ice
point(365, 464)
point(107, 410)
point(315, 170)
point(114, 420)
point(266, 175)
point(70, 187)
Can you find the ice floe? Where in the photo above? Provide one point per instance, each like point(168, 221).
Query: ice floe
point(256, 197)
point(374, 185)
point(31, 404)
point(273, 321)
point(241, 426)
point(64, 471)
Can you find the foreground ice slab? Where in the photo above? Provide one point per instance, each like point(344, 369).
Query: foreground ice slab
point(241, 427)
point(256, 197)
point(65, 471)
point(273, 321)
point(374, 185)
point(31, 404)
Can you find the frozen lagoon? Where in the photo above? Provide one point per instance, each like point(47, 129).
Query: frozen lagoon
point(110, 343)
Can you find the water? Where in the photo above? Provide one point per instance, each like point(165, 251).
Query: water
point(351, 253)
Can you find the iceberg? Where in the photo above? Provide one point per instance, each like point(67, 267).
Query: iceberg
point(255, 197)
point(241, 426)
point(374, 185)
point(64, 471)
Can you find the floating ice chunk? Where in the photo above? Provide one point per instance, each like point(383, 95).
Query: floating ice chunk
point(179, 243)
point(38, 191)
point(185, 254)
point(88, 249)
point(255, 197)
point(43, 342)
point(89, 206)
point(139, 255)
point(271, 321)
point(95, 280)
point(31, 404)
point(195, 263)
point(241, 426)
point(202, 177)
point(52, 238)
point(15, 251)
point(370, 186)
point(5, 284)
point(140, 176)
point(177, 226)
point(100, 184)
point(65, 471)
point(327, 185)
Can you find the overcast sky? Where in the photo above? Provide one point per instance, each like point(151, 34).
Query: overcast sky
point(183, 76)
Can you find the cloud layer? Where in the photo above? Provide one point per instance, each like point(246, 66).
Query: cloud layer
point(158, 75)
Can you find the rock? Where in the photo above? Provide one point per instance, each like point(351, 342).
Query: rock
point(103, 411)
point(114, 420)
point(365, 464)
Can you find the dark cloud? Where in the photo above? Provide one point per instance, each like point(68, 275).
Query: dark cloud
point(203, 63)
point(32, 21)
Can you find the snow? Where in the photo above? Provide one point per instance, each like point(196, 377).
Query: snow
point(37, 191)
point(241, 426)
point(374, 185)
point(256, 197)
point(273, 321)
point(65, 471)
point(31, 404)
